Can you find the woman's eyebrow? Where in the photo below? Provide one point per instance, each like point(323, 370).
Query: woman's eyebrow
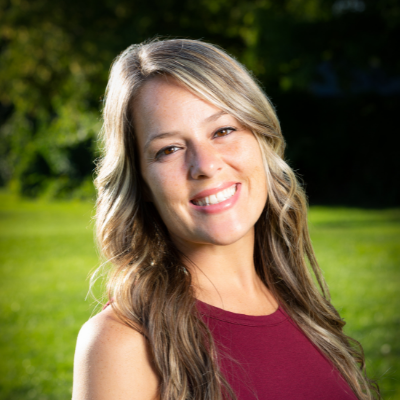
point(215, 116)
point(158, 136)
point(211, 118)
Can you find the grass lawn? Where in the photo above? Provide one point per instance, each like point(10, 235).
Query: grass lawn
point(47, 253)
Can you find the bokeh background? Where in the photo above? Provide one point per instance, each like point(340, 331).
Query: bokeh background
point(330, 67)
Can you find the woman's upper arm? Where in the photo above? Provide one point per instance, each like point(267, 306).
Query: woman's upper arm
point(112, 362)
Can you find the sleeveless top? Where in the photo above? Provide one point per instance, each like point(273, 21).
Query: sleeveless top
point(269, 358)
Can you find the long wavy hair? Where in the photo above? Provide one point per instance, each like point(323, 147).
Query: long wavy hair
point(149, 283)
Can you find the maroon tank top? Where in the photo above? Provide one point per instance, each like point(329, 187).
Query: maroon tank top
point(269, 358)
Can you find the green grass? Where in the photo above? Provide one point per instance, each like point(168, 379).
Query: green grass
point(359, 252)
point(47, 253)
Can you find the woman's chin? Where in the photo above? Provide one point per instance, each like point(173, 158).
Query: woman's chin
point(220, 237)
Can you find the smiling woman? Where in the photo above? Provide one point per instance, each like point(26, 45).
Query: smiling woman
point(206, 227)
point(203, 168)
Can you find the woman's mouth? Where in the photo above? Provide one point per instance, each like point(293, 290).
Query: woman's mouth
point(216, 198)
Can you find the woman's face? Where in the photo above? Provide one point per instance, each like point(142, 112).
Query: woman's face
point(203, 169)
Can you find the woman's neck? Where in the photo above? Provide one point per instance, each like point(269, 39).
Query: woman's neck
point(225, 276)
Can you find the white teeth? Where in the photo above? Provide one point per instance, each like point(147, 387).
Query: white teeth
point(213, 199)
point(216, 198)
point(220, 197)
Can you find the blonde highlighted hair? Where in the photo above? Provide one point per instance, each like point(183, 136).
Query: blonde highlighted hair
point(150, 284)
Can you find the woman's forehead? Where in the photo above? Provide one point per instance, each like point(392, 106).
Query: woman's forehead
point(165, 104)
point(164, 92)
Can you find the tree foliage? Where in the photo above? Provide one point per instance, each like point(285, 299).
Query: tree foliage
point(330, 67)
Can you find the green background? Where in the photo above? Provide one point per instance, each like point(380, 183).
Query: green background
point(47, 253)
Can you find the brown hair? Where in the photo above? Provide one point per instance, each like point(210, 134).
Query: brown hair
point(149, 282)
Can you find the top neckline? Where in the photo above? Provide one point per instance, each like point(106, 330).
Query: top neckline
point(275, 318)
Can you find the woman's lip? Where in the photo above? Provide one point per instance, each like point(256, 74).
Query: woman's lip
point(209, 192)
point(219, 207)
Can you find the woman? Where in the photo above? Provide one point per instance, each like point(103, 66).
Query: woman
point(206, 226)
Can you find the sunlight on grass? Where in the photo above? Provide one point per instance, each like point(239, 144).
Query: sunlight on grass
point(359, 252)
point(47, 253)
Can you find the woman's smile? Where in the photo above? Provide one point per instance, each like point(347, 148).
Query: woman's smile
point(203, 169)
point(218, 199)
point(216, 195)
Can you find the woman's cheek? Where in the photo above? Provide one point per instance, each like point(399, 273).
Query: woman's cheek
point(240, 156)
point(166, 185)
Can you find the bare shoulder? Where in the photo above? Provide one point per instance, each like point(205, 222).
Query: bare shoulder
point(112, 361)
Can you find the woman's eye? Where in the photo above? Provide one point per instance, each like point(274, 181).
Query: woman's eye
point(223, 132)
point(166, 151)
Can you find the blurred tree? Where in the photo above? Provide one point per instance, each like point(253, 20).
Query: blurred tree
point(55, 57)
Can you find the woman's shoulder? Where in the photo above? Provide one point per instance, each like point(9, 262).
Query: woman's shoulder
point(106, 330)
point(112, 360)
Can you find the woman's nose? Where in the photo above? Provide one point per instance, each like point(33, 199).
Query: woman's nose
point(204, 162)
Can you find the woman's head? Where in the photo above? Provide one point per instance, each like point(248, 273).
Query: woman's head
point(173, 86)
point(203, 169)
